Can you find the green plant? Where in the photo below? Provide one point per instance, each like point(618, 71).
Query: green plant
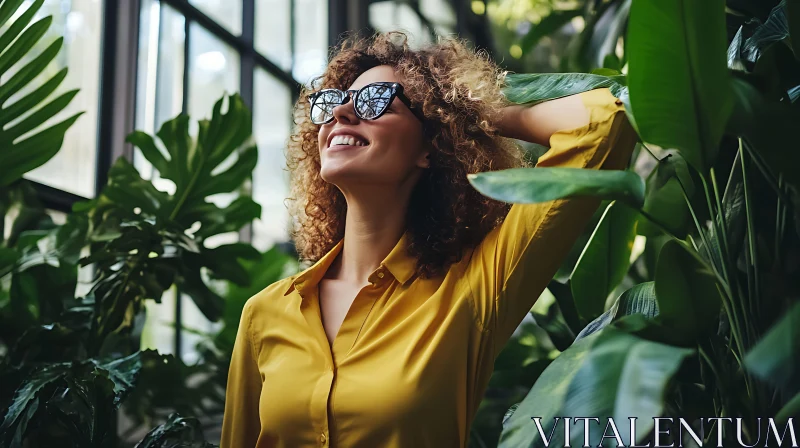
point(22, 149)
point(68, 363)
point(708, 312)
point(73, 362)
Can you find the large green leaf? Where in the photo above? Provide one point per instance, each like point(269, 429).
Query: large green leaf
point(24, 145)
point(608, 374)
point(532, 185)
point(604, 260)
point(219, 161)
point(664, 200)
point(545, 399)
point(774, 358)
point(623, 377)
point(678, 79)
point(640, 299)
point(534, 88)
point(196, 167)
point(688, 296)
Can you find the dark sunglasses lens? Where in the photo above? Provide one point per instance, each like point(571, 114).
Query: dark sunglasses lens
point(322, 107)
point(373, 100)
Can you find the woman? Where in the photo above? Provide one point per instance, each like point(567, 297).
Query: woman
point(389, 339)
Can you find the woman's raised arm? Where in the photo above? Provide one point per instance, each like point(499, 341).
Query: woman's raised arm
point(514, 263)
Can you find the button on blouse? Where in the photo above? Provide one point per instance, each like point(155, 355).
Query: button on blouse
point(413, 357)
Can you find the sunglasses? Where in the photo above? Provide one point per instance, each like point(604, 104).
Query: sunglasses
point(369, 102)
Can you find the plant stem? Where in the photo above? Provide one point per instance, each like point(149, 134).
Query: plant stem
point(724, 258)
point(696, 223)
point(780, 222)
point(756, 297)
point(651, 152)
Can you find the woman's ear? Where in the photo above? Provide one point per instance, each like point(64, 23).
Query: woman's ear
point(424, 160)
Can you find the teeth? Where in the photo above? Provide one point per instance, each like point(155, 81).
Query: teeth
point(347, 140)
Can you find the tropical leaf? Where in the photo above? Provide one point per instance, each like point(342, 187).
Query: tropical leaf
point(640, 299)
point(610, 373)
point(197, 169)
point(664, 200)
point(545, 399)
point(24, 145)
point(679, 84)
point(604, 261)
point(534, 88)
point(532, 185)
point(219, 161)
point(623, 376)
point(688, 296)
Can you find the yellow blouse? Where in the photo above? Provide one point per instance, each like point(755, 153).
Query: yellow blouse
point(410, 364)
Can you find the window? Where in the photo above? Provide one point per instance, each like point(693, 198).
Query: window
point(80, 23)
point(191, 54)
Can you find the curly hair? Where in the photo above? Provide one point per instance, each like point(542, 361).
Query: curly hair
point(459, 91)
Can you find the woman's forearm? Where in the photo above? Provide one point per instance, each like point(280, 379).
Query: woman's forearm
point(537, 123)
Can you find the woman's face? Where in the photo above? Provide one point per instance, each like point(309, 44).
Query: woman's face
point(392, 150)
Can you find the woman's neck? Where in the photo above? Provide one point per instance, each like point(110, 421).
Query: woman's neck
point(374, 223)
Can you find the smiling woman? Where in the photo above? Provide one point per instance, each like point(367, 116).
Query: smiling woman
point(418, 281)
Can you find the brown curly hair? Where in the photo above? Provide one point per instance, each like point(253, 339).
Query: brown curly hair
point(459, 92)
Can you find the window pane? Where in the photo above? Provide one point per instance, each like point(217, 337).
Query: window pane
point(227, 12)
point(271, 126)
point(273, 30)
point(213, 71)
point(310, 39)
point(79, 22)
point(160, 75)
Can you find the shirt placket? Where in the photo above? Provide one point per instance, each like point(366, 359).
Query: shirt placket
point(345, 339)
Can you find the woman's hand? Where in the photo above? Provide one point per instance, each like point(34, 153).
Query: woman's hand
point(537, 123)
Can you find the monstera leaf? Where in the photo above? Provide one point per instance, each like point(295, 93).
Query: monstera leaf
point(154, 238)
point(21, 150)
point(194, 168)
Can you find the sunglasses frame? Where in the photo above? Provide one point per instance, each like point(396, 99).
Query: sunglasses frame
point(396, 89)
